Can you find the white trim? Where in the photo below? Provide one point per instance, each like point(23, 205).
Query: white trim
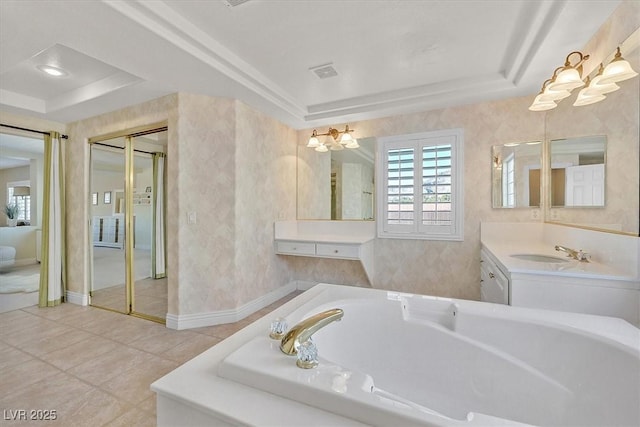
point(77, 298)
point(198, 320)
point(416, 141)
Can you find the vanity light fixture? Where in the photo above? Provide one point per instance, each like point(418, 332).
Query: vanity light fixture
point(339, 140)
point(569, 77)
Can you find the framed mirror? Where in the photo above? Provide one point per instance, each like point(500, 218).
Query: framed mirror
point(516, 174)
point(336, 185)
point(578, 171)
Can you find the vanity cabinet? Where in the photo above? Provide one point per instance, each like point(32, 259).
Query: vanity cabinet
point(494, 284)
point(322, 250)
point(345, 240)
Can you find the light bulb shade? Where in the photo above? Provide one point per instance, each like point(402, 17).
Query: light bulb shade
point(322, 148)
point(553, 95)
point(336, 146)
point(617, 71)
point(596, 85)
point(542, 106)
point(353, 143)
point(587, 97)
point(346, 138)
point(567, 79)
point(313, 142)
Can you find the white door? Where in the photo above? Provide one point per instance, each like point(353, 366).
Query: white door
point(585, 185)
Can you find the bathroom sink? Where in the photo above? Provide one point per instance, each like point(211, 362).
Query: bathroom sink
point(538, 258)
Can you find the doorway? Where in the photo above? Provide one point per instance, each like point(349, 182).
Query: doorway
point(127, 205)
point(21, 191)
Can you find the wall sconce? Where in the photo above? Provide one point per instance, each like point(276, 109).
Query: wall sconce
point(569, 77)
point(338, 141)
point(497, 163)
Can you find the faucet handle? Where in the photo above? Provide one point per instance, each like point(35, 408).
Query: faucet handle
point(307, 355)
point(583, 256)
point(278, 328)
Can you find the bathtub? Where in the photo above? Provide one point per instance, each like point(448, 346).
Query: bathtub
point(402, 359)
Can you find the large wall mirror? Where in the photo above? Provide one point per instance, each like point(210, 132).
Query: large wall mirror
point(516, 174)
point(611, 150)
point(578, 171)
point(336, 185)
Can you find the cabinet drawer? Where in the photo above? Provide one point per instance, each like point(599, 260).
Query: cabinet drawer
point(338, 251)
point(296, 248)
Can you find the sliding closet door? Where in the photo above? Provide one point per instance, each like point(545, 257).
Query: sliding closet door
point(108, 206)
point(149, 290)
point(128, 210)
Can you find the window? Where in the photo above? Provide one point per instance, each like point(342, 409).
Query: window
point(420, 186)
point(19, 193)
point(508, 182)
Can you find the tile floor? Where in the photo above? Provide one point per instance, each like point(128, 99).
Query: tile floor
point(92, 366)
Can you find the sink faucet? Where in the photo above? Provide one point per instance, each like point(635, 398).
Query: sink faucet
point(303, 330)
point(579, 255)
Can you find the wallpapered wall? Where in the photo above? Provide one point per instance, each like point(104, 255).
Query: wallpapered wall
point(233, 167)
point(426, 266)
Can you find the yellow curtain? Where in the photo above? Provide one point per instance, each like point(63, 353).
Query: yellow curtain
point(158, 251)
point(53, 264)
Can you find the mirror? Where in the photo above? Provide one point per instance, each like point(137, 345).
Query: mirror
point(336, 185)
point(578, 171)
point(516, 174)
point(617, 118)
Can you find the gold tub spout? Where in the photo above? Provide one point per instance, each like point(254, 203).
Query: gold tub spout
point(303, 330)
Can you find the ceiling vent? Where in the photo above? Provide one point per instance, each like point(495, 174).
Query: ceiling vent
point(324, 71)
point(234, 3)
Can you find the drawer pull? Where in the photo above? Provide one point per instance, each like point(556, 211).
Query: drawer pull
point(335, 251)
point(492, 276)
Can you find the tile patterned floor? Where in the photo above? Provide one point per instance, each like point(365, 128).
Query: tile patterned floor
point(92, 366)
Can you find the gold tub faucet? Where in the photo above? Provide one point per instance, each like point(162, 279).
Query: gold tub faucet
point(303, 330)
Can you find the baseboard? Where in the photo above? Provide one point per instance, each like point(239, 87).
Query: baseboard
point(199, 320)
point(77, 298)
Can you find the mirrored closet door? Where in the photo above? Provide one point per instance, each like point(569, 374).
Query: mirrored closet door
point(128, 237)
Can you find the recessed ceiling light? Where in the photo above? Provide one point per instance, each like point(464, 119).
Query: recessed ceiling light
point(52, 71)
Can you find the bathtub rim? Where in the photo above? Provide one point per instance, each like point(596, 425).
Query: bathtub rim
point(196, 385)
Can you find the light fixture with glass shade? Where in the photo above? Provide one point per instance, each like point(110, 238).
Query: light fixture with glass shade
point(596, 83)
point(337, 140)
point(569, 77)
point(588, 95)
point(618, 70)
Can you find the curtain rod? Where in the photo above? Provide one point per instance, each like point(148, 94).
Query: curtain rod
point(31, 130)
point(135, 149)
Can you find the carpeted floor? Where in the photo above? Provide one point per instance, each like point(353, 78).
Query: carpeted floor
point(19, 287)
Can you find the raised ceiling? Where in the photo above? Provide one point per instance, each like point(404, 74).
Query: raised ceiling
point(388, 56)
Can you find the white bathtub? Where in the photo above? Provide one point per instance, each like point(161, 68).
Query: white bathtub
point(398, 359)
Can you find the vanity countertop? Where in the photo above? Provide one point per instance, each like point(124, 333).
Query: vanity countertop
point(338, 232)
point(326, 238)
point(572, 268)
